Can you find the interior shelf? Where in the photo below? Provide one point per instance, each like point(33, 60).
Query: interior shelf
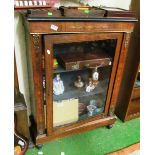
point(100, 103)
point(72, 92)
point(60, 69)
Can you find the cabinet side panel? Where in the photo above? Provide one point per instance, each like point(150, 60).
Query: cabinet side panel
point(120, 69)
point(36, 54)
point(131, 69)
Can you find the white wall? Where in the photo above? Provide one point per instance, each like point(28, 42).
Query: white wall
point(109, 3)
point(21, 61)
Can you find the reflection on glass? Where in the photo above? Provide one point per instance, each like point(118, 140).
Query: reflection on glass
point(81, 78)
point(137, 82)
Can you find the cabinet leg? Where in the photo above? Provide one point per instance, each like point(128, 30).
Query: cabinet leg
point(39, 146)
point(109, 126)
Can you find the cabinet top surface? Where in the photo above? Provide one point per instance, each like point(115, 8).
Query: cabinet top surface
point(81, 14)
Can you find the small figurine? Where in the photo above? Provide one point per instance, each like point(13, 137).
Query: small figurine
point(79, 83)
point(93, 102)
point(90, 87)
point(91, 109)
point(55, 63)
point(58, 87)
point(95, 76)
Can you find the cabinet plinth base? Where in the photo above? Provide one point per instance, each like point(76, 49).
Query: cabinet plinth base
point(75, 130)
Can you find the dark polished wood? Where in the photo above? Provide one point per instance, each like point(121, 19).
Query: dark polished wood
point(120, 70)
point(75, 27)
point(49, 85)
point(55, 39)
point(79, 129)
point(36, 52)
point(109, 109)
point(44, 33)
point(128, 104)
point(83, 14)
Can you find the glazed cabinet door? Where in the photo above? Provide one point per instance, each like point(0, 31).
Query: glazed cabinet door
point(79, 77)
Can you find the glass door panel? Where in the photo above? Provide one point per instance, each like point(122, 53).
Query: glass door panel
point(81, 76)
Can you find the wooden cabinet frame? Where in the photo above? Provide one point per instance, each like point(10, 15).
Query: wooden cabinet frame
point(42, 38)
point(57, 39)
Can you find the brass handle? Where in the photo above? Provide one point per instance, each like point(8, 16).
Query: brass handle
point(94, 65)
point(75, 66)
point(87, 65)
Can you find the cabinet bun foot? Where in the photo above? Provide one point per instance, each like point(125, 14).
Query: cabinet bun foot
point(39, 146)
point(109, 126)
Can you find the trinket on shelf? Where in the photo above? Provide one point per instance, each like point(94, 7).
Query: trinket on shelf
point(58, 86)
point(90, 87)
point(95, 77)
point(55, 63)
point(79, 83)
point(91, 109)
point(93, 102)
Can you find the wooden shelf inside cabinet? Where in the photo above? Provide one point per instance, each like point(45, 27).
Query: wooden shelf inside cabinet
point(72, 92)
point(63, 39)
